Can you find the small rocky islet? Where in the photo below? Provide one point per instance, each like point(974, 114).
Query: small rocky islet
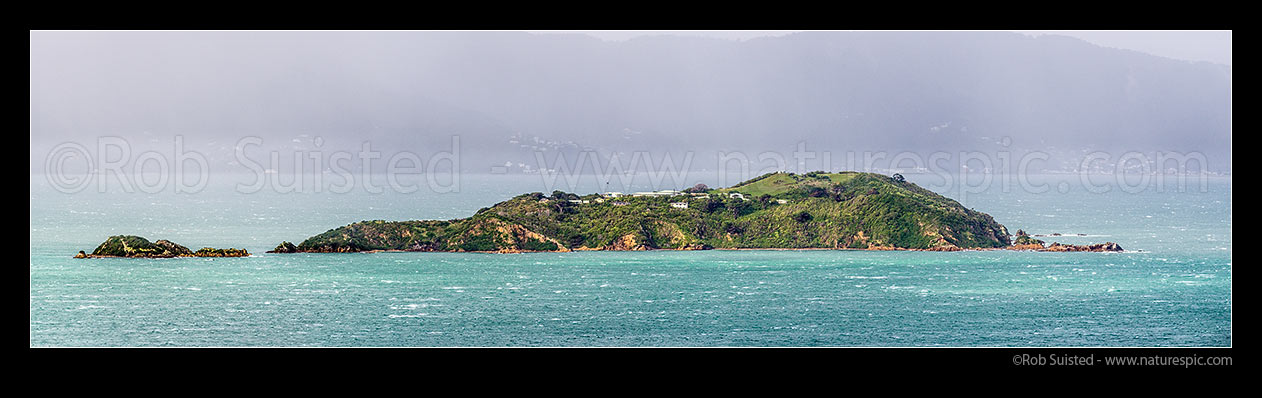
point(1026, 241)
point(132, 246)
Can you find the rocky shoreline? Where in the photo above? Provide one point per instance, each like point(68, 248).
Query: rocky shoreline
point(775, 211)
point(129, 246)
point(1026, 241)
point(826, 210)
point(1023, 242)
point(1054, 247)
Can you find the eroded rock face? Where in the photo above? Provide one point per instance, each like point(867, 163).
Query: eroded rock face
point(626, 243)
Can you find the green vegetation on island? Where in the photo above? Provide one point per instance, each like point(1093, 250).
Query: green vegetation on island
point(135, 246)
point(846, 210)
point(1025, 241)
point(816, 210)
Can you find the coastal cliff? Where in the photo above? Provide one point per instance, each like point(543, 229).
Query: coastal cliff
point(818, 210)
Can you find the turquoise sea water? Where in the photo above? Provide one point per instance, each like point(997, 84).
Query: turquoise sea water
point(1171, 288)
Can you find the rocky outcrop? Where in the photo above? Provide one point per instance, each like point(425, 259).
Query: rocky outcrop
point(1026, 240)
point(626, 243)
point(1099, 247)
point(135, 246)
point(173, 248)
point(138, 247)
point(229, 252)
point(1060, 247)
point(284, 247)
point(1027, 246)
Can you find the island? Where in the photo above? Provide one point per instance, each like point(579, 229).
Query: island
point(1025, 242)
point(816, 210)
point(138, 247)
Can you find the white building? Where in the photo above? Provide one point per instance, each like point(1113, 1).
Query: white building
point(736, 195)
point(781, 201)
point(679, 205)
point(664, 192)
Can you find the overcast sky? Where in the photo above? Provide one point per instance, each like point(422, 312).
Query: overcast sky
point(889, 91)
point(1212, 46)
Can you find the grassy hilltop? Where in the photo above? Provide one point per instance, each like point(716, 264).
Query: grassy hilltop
point(779, 210)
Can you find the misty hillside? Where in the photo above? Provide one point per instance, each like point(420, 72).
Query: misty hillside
point(837, 91)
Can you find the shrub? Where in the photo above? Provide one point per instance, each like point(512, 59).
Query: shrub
point(699, 188)
point(712, 205)
point(538, 246)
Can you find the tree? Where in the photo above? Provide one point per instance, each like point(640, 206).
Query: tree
point(699, 188)
point(899, 178)
point(739, 207)
point(699, 228)
point(562, 195)
point(712, 205)
point(802, 216)
point(576, 240)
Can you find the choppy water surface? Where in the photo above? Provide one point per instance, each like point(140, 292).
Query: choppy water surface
point(1172, 287)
